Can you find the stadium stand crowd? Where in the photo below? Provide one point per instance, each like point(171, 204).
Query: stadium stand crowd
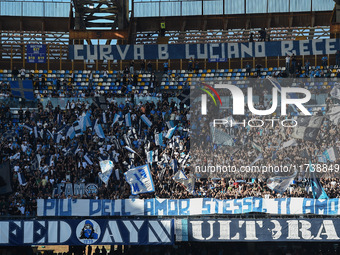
point(43, 154)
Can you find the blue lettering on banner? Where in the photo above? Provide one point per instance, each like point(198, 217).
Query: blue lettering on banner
point(161, 207)
point(149, 207)
point(257, 205)
point(73, 232)
point(288, 205)
point(238, 205)
point(308, 206)
point(49, 205)
point(106, 207)
point(124, 213)
point(247, 205)
point(206, 206)
point(172, 207)
point(65, 211)
point(193, 206)
point(95, 207)
point(217, 205)
point(333, 207)
point(215, 52)
point(184, 206)
point(279, 202)
point(226, 205)
point(135, 186)
point(321, 206)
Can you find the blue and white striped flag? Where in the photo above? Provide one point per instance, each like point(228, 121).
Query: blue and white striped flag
point(59, 118)
point(35, 129)
point(146, 120)
point(99, 130)
point(170, 132)
point(159, 139)
point(170, 124)
point(127, 140)
point(128, 120)
point(88, 160)
point(78, 130)
point(149, 156)
point(117, 175)
point(27, 126)
point(70, 132)
point(140, 180)
point(174, 165)
point(22, 180)
point(130, 150)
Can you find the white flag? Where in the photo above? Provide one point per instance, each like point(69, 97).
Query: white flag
point(106, 165)
point(335, 92)
point(140, 180)
point(291, 142)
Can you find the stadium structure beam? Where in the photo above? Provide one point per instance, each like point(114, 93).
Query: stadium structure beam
point(335, 21)
point(101, 16)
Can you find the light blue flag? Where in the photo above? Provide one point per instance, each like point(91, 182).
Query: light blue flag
point(128, 120)
point(170, 133)
point(99, 130)
point(317, 189)
point(82, 122)
point(88, 119)
point(146, 120)
point(140, 180)
point(115, 119)
point(331, 154)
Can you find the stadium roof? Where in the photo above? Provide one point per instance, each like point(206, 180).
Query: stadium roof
point(35, 8)
point(154, 8)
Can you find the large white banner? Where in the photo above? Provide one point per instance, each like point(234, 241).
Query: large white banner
point(181, 207)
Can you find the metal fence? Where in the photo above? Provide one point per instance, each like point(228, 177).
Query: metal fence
point(150, 8)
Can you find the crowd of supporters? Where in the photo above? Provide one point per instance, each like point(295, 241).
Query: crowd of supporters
point(62, 159)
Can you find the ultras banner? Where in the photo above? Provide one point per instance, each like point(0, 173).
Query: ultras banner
point(186, 207)
point(262, 230)
point(86, 232)
point(213, 51)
